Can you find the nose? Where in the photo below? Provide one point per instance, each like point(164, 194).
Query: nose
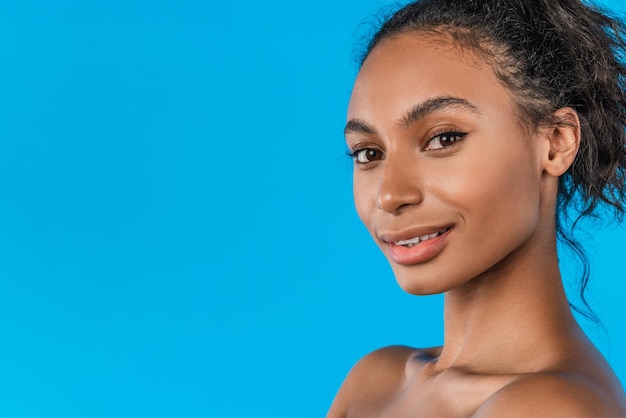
point(400, 186)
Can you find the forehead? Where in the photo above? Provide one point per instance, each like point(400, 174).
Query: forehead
point(415, 67)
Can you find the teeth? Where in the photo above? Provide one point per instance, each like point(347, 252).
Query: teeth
point(409, 241)
point(414, 241)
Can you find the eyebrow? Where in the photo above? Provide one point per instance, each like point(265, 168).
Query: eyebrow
point(417, 112)
point(358, 126)
point(435, 104)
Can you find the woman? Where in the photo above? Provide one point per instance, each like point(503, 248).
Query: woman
point(475, 127)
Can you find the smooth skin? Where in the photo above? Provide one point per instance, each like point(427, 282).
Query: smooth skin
point(439, 146)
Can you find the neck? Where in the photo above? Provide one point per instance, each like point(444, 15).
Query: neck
point(514, 317)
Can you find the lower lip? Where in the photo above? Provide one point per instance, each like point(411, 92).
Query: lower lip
point(420, 253)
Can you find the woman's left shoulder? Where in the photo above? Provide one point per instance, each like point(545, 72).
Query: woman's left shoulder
point(548, 395)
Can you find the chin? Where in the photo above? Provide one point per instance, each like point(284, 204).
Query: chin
point(420, 284)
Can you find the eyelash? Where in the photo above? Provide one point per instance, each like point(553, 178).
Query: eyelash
point(357, 153)
point(456, 134)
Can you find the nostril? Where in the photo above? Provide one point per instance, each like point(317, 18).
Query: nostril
point(400, 183)
point(392, 204)
point(398, 195)
point(380, 202)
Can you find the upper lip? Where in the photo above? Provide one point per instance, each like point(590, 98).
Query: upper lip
point(407, 234)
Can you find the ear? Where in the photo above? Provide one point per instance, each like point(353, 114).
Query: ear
point(563, 141)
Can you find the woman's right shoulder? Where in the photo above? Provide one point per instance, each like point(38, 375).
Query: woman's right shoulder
point(373, 380)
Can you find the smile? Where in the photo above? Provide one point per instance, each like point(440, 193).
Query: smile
point(414, 241)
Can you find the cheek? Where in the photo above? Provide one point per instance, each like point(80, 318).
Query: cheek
point(498, 178)
point(498, 199)
point(364, 199)
point(364, 194)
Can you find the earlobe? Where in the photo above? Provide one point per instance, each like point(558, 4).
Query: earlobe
point(564, 140)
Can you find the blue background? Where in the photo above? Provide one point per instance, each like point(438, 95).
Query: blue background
point(177, 235)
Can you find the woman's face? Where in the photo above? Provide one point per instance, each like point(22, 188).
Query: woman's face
point(447, 179)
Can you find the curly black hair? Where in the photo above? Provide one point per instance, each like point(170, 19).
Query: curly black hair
point(549, 54)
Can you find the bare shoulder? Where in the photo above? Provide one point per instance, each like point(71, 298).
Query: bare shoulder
point(552, 395)
point(372, 380)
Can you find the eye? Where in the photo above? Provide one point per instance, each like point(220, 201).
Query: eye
point(366, 155)
point(444, 139)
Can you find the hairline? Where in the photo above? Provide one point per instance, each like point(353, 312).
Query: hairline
point(479, 48)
